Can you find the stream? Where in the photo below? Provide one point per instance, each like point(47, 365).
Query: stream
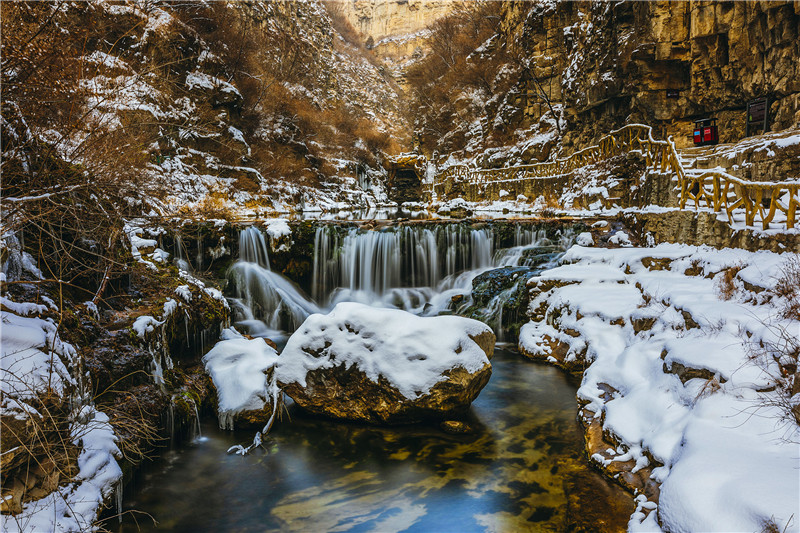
point(521, 467)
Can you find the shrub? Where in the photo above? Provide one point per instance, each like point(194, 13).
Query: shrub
point(781, 349)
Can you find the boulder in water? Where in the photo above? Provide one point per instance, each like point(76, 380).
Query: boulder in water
point(242, 370)
point(386, 365)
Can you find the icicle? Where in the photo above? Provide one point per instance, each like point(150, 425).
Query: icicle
point(186, 325)
point(199, 258)
point(275, 393)
point(118, 498)
point(171, 420)
point(196, 432)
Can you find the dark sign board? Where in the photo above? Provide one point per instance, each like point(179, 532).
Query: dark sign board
point(757, 115)
point(757, 111)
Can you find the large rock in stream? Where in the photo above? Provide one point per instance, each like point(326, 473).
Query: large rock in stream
point(385, 365)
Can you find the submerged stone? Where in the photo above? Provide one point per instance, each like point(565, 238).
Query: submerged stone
point(455, 427)
point(386, 365)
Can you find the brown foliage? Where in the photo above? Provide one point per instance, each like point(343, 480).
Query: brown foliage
point(726, 286)
point(788, 286)
point(783, 346)
point(451, 68)
point(38, 451)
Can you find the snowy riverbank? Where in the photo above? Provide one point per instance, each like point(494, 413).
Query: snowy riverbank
point(683, 370)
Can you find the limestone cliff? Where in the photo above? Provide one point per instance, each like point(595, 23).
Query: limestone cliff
point(601, 65)
point(380, 19)
point(395, 30)
point(664, 63)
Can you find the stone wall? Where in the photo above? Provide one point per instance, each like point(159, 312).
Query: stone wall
point(698, 228)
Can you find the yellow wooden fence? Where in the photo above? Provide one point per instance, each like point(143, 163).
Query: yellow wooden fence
point(719, 191)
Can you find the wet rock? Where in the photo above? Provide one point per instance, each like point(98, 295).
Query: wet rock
point(501, 298)
point(602, 446)
point(385, 365)
point(487, 286)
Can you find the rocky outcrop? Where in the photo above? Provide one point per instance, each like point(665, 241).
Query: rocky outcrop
point(350, 365)
point(697, 228)
point(500, 296)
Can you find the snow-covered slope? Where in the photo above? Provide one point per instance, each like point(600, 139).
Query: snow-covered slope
point(219, 106)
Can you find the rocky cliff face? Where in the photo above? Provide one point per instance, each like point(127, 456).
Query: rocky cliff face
point(395, 30)
point(601, 65)
point(663, 63)
point(393, 18)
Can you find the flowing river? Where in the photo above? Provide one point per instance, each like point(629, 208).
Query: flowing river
point(521, 468)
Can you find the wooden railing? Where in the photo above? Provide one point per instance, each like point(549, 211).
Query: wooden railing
point(716, 190)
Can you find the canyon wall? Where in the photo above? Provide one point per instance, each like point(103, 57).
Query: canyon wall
point(663, 63)
point(599, 65)
point(380, 19)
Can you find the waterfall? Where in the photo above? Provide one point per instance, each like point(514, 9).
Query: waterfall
point(180, 260)
point(423, 268)
point(264, 301)
point(373, 263)
point(413, 267)
point(253, 247)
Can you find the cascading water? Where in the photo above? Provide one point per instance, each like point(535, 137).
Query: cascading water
point(265, 303)
point(180, 260)
point(420, 269)
point(417, 268)
point(372, 265)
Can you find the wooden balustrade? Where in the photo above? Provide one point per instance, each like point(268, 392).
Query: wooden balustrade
point(719, 191)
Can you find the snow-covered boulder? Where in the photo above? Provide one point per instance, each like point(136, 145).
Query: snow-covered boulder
point(455, 208)
point(386, 365)
point(242, 371)
point(584, 239)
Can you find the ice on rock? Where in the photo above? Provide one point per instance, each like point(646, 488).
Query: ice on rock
point(584, 239)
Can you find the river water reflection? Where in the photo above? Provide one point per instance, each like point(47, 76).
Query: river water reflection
point(522, 469)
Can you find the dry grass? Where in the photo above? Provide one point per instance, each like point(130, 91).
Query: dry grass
point(788, 287)
point(38, 452)
point(726, 286)
point(782, 349)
